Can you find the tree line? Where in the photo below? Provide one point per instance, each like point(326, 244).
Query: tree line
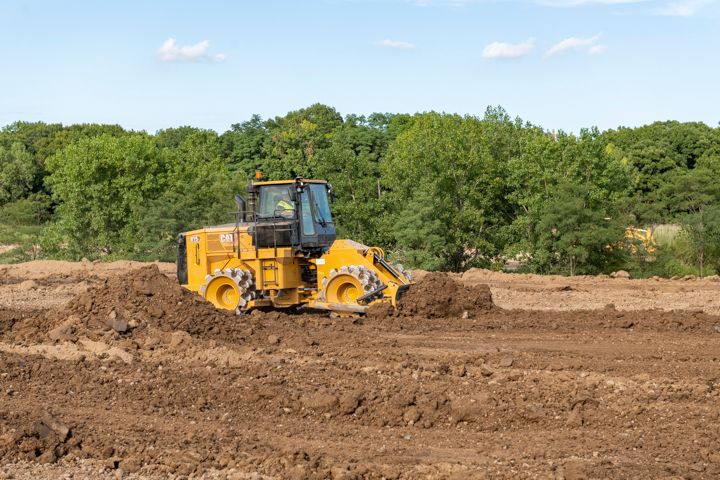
point(437, 191)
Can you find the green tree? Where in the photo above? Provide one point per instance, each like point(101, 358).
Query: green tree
point(174, 137)
point(72, 133)
point(549, 161)
point(656, 152)
point(244, 145)
point(446, 192)
point(37, 138)
point(693, 197)
point(296, 138)
point(43, 140)
point(199, 191)
point(351, 165)
point(532, 177)
point(575, 235)
point(102, 185)
point(17, 173)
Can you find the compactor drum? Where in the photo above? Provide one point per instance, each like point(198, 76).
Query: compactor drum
point(282, 252)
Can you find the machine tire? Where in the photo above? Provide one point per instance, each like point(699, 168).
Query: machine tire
point(402, 270)
point(229, 289)
point(346, 285)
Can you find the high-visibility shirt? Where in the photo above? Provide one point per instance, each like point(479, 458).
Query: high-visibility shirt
point(283, 205)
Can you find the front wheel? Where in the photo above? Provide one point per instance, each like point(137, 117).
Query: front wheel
point(346, 285)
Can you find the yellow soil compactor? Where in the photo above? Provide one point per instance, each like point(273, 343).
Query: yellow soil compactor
point(282, 252)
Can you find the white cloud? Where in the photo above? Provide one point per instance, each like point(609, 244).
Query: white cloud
point(170, 51)
point(501, 50)
point(597, 49)
point(572, 43)
point(683, 8)
point(396, 44)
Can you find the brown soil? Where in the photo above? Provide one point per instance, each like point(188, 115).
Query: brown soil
point(167, 386)
point(553, 292)
point(438, 295)
point(48, 283)
point(126, 306)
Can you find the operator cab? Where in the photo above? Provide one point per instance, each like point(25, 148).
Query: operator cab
point(291, 213)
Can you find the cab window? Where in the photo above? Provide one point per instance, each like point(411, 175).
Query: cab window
point(322, 206)
point(308, 226)
point(275, 202)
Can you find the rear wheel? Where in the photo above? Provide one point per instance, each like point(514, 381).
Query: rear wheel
point(229, 289)
point(223, 292)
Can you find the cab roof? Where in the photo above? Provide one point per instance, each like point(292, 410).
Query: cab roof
point(287, 182)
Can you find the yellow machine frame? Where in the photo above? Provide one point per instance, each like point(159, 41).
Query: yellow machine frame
point(223, 265)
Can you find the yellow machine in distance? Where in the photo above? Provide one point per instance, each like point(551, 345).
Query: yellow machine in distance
point(282, 252)
point(639, 240)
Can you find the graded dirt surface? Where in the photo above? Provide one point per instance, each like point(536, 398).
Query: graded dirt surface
point(46, 283)
point(553, 292)
point(130, 376)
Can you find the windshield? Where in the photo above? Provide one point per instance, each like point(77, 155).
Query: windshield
point(275, 202)
point(322, 206)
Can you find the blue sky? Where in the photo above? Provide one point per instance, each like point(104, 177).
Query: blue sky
point(563, 64)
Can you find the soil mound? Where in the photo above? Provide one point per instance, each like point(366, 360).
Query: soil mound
point(438, 295)
point(124, 305)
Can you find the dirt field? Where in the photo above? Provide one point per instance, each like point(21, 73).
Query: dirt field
point(111, 370)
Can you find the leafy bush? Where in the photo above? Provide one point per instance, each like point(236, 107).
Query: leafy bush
point(23, 222)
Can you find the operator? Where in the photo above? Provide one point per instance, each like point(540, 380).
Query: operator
point(284, 206)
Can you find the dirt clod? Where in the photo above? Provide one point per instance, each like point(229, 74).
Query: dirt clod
point(411, 415)
point(506, 362)
point(321, 401)
point(120, 325)
point(130, 465)
point(575, 418)
point(28, 285)
point(49, 421)
point(486, 371)
point(349, 402)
